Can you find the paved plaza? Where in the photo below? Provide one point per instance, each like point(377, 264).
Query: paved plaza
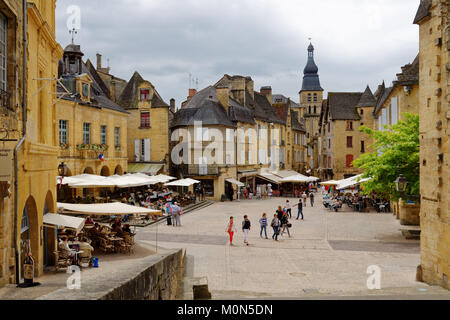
point(328, 255)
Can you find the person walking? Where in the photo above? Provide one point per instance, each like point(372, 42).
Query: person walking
point(285, 225)
point(304, 196)
point(176, 210)
point(311, 197)
point(300, 208)
point(263, 223)
point(231, 230)
point(280, 213)
point(246, 225)
point(288, 208)
point(275, 224)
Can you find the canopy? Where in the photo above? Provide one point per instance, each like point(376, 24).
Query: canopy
point(270, 177)
point(284, 173)
point(125, 181)
point(235, 182)
point(298, 178)
point(147, 168)
point(104, 209)
point(351, 182)
point(60, 220)
point(182, 183)
point(330, 183)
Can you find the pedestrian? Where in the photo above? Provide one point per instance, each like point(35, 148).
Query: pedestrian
point(275, 224)
point(263, 223)
point(285, 225)
point(231, 229)
point(311, 197)
point(280, 213)
point(300, 208)
point(246, 225)
point(176, 210)
point(304, 196)
point(288, 208)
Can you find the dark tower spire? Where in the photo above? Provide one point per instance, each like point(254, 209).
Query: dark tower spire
point(311, 81)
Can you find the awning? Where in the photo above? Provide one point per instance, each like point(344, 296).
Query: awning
point(284, 173)
point(330, 183)
point(182, 183)
point(270, 177)
point(146, 168)
point(104, 209)
point(351, 182)
point(235, 182)
point(298, 178)
point(59, 220)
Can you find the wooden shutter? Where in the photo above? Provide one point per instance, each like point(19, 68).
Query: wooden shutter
point(137, 154)
point(147, 150)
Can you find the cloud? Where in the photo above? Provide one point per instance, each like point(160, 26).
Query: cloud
point(358, 42)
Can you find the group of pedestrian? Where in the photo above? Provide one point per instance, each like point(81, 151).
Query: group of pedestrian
point(174, 212)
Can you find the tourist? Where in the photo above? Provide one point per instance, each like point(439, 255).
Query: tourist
point(263, 223)
point(64, 247)
point(280, 213)
point(311, 197)
point(275, 224)
point(304, 196)
point(246, 225)
point(177, 212)
point(89, 221)
point(300, 208)
point(285, 225)
point(288, 208)
point(231, 229)
point(126, 229)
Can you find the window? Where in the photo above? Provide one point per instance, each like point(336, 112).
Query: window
point(349, 125)
point(315, 109)
point(86, 133)
point(63, 131)
point(103, 135)
point(315, 97)
point(329, 162)
point(85, 90)
point(3, 51)
point(329, 127)
point(349, 159)
point(363, 147)
point(362, 111)
point(309, 97)
point(145, 95)
point(142, 149)
point(117, 137)
point(309, 110)
point(329, 143)
point(349, 142)
point(145, 119)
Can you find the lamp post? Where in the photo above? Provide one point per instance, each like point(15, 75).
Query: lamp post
point(401, 183)
point(62, 170)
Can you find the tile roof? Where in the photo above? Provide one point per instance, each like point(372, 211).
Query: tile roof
point(279, 98)
point(267, 109)
point(129, 98)
point(384, 95)
point(409, 74)
point(367, 99)
point(423, 11)
point(295, 123)
point(342, 105)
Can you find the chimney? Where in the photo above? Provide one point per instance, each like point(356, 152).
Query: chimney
point(99, 61)
point(172, 105)
point(267, 92)
point(192, 93)
point(223, 96)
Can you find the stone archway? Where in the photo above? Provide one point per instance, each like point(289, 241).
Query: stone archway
point(105, 172)
point(118, 170)
point(30, 233)
point(88, 170)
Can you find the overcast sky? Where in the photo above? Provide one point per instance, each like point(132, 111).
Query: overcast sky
point(358, 42)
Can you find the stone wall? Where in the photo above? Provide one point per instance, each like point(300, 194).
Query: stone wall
point(409, 214)
point(434, 147)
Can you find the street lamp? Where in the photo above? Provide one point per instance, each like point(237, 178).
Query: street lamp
point(62, 170)
point(401, 183)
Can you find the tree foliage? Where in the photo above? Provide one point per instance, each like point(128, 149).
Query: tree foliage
point(397, 151)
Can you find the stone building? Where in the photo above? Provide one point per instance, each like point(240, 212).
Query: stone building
point(311, 97)
point(402, 97)
point(36, 142)
point(341, 141)
point(89, 124)
point(433, 20)
point(148, 126)
point(229, 132)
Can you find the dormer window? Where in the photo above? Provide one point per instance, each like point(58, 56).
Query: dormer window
point(85, 90)
point(145, 95)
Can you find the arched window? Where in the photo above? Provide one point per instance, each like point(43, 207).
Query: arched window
point(309, 110)
point(315, 97)
point(315, 109)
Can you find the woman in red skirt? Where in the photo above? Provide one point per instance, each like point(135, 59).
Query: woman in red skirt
point(231, 229)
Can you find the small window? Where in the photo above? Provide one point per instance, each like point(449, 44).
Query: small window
point(85, 90)
point(145, 95)
point(349, 125)
point(117, 137)
point(63, 132)
point(349, 142)
point(363, 147)
point(315, 109)
point(329, 127)
point(103, 135)
point(315, 97)
point(309, 110)
point(362, 112)
point(145, 119)
point(309, 98)
point(86, 133)
point(349, 161)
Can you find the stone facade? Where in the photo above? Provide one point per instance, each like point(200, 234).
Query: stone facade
point(37, 156)
point(434, 111)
